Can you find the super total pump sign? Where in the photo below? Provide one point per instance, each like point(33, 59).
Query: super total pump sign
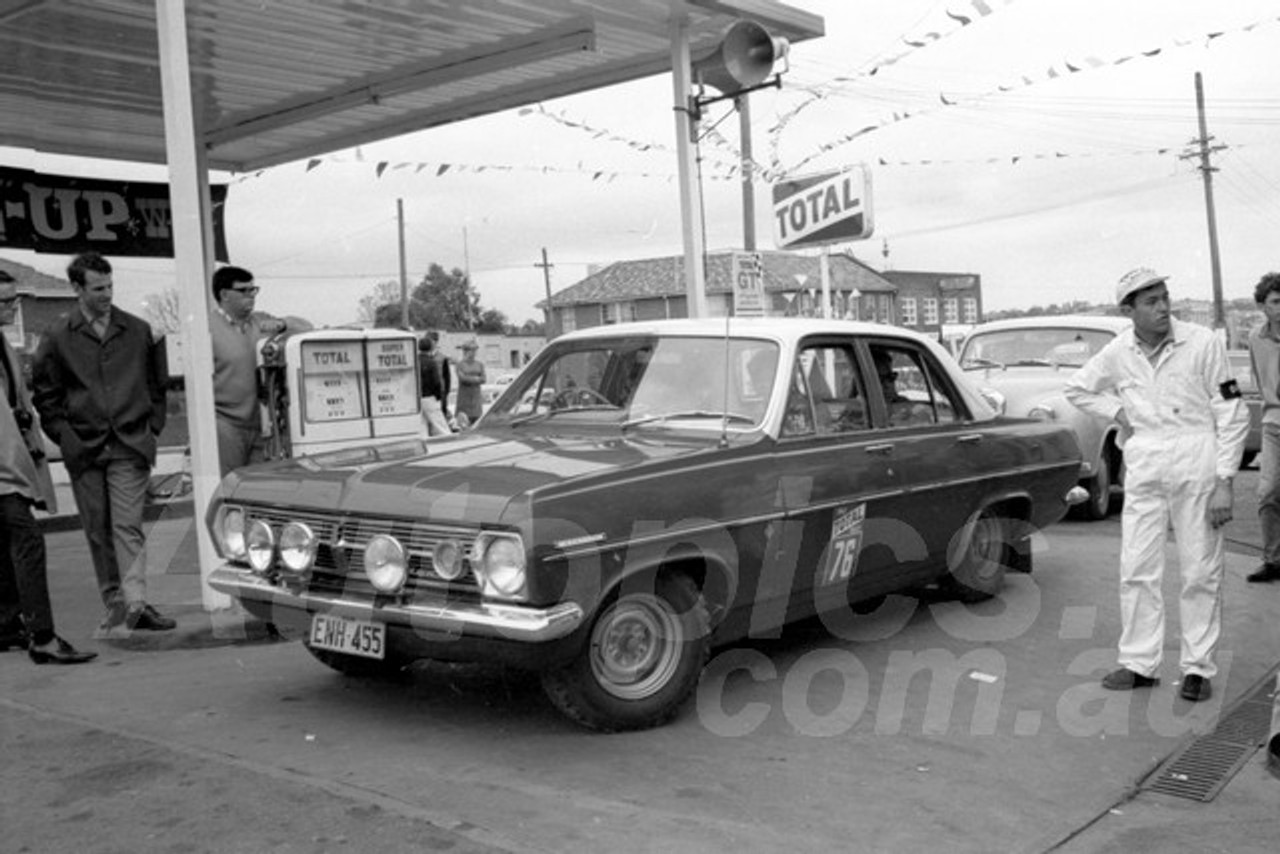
point(828, 207)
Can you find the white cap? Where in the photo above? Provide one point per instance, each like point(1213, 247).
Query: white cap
point(1136, 280)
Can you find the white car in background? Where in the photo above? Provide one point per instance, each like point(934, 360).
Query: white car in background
point(1026, 361)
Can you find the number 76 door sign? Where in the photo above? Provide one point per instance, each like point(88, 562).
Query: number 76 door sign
point(846, 543)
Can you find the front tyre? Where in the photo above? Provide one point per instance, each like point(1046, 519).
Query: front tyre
point(1099, 504)
point(642, 660)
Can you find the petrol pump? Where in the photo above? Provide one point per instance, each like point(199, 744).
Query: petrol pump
point(328, 389)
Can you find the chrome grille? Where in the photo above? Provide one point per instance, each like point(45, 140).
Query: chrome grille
point(338, 566)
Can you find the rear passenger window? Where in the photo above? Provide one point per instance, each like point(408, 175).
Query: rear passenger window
point(912, 387)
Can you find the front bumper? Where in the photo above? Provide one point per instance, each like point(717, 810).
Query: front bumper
point(512, 623)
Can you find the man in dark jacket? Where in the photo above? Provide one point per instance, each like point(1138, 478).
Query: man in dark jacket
point(99, 385)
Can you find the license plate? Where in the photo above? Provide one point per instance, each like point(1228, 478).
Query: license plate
point(344, 634)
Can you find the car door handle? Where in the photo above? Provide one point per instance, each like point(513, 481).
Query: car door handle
point(969, 439)
point(883, 450)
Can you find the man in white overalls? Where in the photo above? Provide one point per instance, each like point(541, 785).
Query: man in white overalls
point(1183, 426)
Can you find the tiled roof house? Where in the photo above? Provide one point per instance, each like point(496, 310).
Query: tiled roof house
point(654, 288)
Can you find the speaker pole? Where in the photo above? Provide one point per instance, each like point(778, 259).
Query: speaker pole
point(743, 103)
point(690, 191)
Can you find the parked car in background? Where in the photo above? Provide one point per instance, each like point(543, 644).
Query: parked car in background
point(1253, 399)
point(641, 493)
point(1026, 361)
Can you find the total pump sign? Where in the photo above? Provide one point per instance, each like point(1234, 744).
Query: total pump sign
point(826, 207)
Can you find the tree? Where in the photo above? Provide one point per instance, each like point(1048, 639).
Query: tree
point(448, 300)
point(164, 311)
point(492, 320)
point(383, 294)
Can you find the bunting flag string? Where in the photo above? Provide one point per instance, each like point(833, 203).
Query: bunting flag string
point(1063, 69)
point(597, 133)
point(915, 43)
point(731, 172)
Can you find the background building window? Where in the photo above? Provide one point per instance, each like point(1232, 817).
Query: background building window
point(617, 312)
point(930, 311)
point(951, 310)
point(568, 320)
point(970, 310)
point(909, 311)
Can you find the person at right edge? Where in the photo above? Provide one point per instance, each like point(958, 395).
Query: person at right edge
point(1264, 353)
point(1183, 425)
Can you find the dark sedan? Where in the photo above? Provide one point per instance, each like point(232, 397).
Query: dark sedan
point(641, 493)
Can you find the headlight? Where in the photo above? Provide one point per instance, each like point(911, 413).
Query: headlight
point(260, 543)
point(500, 565)
point(229, 530)
point(384, 563)
point(1042, 412)
point(297, 546)
point(446, 558)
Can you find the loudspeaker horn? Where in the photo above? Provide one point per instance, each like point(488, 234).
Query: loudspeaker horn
point(744, 58)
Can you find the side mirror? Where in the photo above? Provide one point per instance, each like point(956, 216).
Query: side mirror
point(997, 400)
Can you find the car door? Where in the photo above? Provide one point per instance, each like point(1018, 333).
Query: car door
point(943, 460)
point(834, 476)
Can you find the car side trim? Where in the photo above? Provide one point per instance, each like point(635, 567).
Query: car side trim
point(477, 619)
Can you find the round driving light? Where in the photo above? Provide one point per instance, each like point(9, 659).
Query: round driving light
point(384, 563)
point(260, 543)
point(446, 558)
point(231, 532)
point(502, 565)
point(1042, 412)
point(297, 546)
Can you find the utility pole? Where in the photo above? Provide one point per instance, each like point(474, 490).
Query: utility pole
point(404, 275)
point(1203, 150)
point(547, 314)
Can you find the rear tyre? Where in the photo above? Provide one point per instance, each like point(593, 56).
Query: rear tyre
point(360, 668)
point(642, 660)
point(979, 574)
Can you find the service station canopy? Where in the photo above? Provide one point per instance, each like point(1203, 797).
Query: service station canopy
point(273, 82)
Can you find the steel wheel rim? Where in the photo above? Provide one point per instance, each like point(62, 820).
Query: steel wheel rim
point(635, 647)
point(987, 549)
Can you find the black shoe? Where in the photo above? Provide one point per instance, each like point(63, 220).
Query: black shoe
point(147, 619)
point(1266, 572)
point(1125, 679)
point(13, 636)
point(58, 651)
point(1195, 688)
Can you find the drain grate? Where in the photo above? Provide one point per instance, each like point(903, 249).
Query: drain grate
point(1202, 768)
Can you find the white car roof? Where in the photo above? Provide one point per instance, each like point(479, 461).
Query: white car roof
point(778, 328)
point(1101, 322)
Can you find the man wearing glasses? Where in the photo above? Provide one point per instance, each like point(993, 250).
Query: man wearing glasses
point(236, 331)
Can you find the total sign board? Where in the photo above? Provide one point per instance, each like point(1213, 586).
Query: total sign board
point(827, 207)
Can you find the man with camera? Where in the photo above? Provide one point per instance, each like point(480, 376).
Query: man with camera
point(26, 617)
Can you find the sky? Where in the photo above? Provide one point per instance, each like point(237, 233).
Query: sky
point(1037, 143)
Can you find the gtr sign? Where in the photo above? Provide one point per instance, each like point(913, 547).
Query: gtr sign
point(829, 207)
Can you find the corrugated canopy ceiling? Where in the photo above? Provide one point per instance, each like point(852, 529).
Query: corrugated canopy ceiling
point(278, 80)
